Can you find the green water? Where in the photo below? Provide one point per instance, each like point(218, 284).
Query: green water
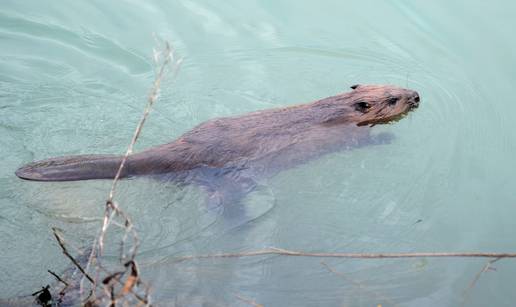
point(74, 77)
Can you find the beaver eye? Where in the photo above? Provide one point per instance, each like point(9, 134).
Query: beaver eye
point(392, 101)
point(362, 106)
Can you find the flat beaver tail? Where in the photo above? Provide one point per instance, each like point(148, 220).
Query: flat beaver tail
point(69, 168)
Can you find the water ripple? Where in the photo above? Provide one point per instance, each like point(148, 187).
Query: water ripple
point(92, 45)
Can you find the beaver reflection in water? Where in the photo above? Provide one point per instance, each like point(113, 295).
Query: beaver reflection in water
point(232, 151)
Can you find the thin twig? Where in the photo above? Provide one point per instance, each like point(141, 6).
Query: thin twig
point(285, 252)
point(111, 206)
point(91, 258)
point(58, 278)
point(486, 268)
point(113, 214)
point(153, 96)
point(67, 254)
point(116, 277)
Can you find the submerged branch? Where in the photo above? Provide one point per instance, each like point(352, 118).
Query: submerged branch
point(286, 252)
point(61, 243)
point(487, 267)
point(58, 278)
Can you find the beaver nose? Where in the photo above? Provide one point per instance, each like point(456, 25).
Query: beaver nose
point(414, 101)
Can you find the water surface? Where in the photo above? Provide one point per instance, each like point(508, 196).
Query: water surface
point(74, 77)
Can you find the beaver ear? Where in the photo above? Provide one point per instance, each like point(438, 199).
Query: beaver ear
point(355, 86)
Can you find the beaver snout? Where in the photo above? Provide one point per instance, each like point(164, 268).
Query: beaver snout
point(414, 100)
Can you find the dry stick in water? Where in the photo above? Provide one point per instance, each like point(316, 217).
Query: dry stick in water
point(64, 289)
point(67, 254)
point(487, 267)
point(112, 209)
point(285, 252)
point(153, 96)
point(58, 278)
point(116, 277)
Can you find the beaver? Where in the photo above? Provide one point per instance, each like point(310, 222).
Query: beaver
point(262, 141)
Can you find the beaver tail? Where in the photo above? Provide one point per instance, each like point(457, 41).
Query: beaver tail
point(71, 168)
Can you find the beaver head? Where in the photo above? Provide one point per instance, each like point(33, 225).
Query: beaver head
point(370, 105)
point(379, 104)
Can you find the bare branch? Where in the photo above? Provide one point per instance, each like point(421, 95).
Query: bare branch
point(487, 267)
point(285, 252)
point(114, 215)
point(153, 96)
point(58, 278)
point(67, 254)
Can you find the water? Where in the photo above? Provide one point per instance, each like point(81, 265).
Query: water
point(74, 77)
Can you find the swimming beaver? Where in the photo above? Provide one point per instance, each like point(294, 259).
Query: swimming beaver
point(260, 141)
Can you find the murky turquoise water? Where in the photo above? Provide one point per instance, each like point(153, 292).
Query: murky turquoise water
point(74, 77)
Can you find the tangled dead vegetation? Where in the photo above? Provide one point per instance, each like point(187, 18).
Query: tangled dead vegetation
point(95, 281)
